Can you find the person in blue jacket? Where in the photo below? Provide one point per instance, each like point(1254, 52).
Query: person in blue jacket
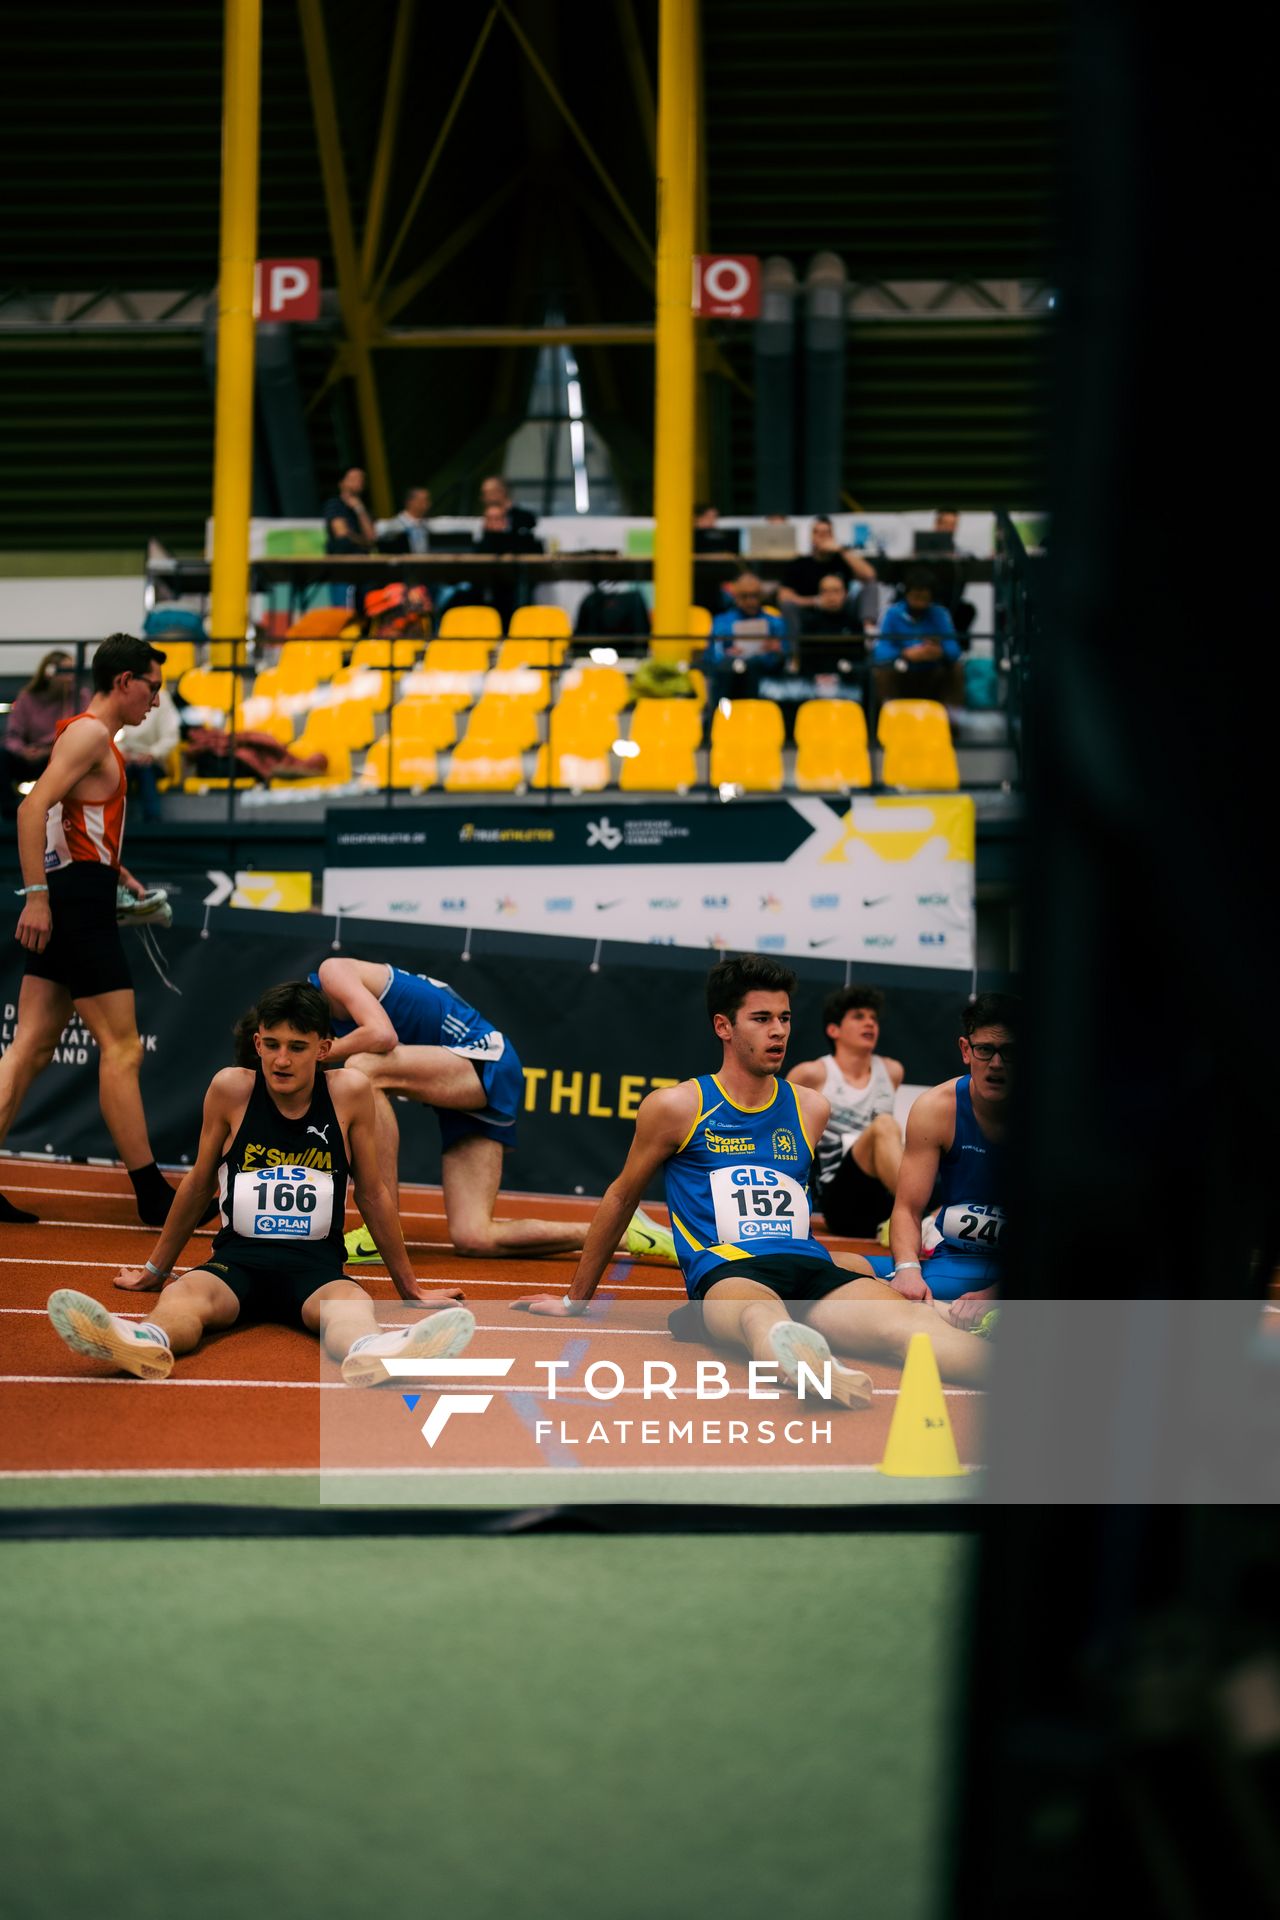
point(917, 654)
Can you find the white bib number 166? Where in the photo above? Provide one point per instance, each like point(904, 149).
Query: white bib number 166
point(283, 1203)
point(759, 1203)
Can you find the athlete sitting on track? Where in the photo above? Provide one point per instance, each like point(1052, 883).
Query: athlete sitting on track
point(861, 1148)
point(70, 831)
point(277, 1143)
point(415, 1036)
point(737, 1154)
point(955, 1163)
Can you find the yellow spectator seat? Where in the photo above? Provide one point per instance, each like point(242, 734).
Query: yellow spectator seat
point(306, 662)
point(530, 653)
point(411, 764)
point(746, 746)
point(665, 765)
point(470, 623)
point(320, 623)
point(677, 720)
point(179, 658)
point(430, 723)
point(918, 751)
point(831, 747)
point(529, 684)
point(576, 753)
point(504, 722)
point(367, 684)
point(203, 687)
point(385, 654)
point(540, 623)
point(607, 687)
point(323, 735)
point(575, 772)
point(260, 714)
point(484, 766)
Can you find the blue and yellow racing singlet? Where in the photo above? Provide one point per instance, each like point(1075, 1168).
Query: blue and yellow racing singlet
point(738, 1184)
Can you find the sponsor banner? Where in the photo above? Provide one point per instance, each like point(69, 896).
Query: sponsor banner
point(885, 881)
point(592, 1043)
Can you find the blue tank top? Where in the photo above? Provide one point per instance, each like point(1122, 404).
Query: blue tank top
point(972, 1184)
point(738, 1184)
point(428, 1013)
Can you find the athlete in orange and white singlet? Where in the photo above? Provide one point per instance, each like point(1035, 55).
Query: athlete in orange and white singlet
point(70, 833)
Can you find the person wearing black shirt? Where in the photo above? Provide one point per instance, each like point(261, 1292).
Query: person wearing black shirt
point(347, 528)
point(802, 577)
point(822, 625)
point(495, 493)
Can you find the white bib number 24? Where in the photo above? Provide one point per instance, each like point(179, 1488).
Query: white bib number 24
point(283, 1203)
point(755, 1204)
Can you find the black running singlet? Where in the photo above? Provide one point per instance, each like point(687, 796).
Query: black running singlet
point(282, 1187)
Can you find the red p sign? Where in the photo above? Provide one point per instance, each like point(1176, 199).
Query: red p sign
point(287, 290)
point(726, 286)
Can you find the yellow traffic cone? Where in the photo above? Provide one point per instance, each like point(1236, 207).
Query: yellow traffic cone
point(921, 1444)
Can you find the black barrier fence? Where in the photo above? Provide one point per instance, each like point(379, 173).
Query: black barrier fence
point(595, 1028)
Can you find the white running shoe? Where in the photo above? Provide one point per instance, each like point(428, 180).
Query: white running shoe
point(436, 1337)
point(646, 1240)
point(88, 1328)
point(791, 1342)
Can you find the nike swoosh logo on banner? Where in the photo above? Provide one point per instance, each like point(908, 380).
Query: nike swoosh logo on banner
point(602, 906)
point(878, 902)
point(823, 943)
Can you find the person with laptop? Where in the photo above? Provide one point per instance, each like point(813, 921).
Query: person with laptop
point(917, 655)
point(802, 578)
point(747, 644)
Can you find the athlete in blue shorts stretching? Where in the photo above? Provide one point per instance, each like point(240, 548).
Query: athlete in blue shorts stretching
point(415, 1036)
point(954, 1167)
point(737, 1151)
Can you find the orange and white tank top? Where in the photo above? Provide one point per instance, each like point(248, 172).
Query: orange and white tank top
point(91, 830)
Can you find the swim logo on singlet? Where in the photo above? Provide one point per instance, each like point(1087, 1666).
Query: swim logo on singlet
point(289, 1203)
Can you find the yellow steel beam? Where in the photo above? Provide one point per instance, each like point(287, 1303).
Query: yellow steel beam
point(559, 102)
point(432, 160)
point(673, 447)
point(357, 319)
point(397, 69)
point(237, 251)
point(435, 263)
point(702, 407)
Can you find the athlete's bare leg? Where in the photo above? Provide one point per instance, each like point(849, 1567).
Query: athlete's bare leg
point(470, 1173)
point(386, 1132)
point(869, 1318)
point(878, 1151)
point(430, 1074)
point(112, 1020)
point(193, 1305)
point(44, 1007)
point(349, 1317)
point(738, 1312)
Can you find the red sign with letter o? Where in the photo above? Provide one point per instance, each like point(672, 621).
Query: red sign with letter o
point(726, 286)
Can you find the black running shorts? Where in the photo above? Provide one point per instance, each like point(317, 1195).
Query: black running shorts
point(276, 1295)
point(85, 953)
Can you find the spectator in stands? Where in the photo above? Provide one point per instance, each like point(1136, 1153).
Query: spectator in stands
point(407, 531)
point(49, 697)
point(917, 654)
point(802, 577)
point(829, 620)
point(347, 528)
point(494, 492)
point(146, 748)
point(747, 644)
point(501, 538)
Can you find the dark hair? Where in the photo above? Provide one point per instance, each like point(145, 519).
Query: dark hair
point(702, 506)
point(823, 520)
point(991, 1010)
point(845, 999)
point(41, 679)
point(918, 577)
point(122, 653)
point(953, 511)
point(294, 1003)
point(730, 981)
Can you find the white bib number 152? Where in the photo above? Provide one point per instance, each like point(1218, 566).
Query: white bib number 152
point(283, 1203)
point(759, 1203)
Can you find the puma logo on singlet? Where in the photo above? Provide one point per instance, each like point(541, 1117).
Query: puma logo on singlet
point(321, 1133)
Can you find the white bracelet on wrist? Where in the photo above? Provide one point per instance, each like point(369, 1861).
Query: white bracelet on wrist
point(157, 1273)
point(902, 1266)
point(575, 1307)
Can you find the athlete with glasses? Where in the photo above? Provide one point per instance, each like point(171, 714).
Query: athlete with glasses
point(954, 1169)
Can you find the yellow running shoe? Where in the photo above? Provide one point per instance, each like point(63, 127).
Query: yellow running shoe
point(438, 1336)
point(361, 1249)
point(646, 1240)
point(87, 1327)
point(882, 1233)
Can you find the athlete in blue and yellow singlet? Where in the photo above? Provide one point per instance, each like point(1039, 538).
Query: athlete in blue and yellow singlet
point(736, 1149)
point(738, 1185)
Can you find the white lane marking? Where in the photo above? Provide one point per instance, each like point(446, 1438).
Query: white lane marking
point(427, 1280)
point(566, 1395)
